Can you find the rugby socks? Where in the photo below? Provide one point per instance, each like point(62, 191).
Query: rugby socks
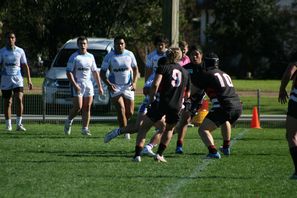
point(212, 149)
point(19, 120)
point(179, 143)
point(226, 144)
point(293, 152)
point(69, 121)
point(8, 122)
point(161, 149)
point(150, 146)
point(138, 150)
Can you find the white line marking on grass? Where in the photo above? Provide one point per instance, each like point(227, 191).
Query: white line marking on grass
point(171, 190)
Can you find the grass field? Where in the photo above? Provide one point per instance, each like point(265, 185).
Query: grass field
point(45, 163)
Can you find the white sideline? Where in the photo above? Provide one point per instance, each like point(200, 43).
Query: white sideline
point(172, 189)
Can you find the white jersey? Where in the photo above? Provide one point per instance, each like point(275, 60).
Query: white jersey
point(11, 61)
point(152, 62)
point(120, 67)
point(82, 66)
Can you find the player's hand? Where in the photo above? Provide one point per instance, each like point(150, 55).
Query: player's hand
point(100, 90)
point(30, 85)
point(282, 96)
point(111, 87)
point(133, 87)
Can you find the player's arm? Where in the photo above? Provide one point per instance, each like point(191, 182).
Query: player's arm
point(28, 75)
point(288, 74)
point(97, 79)
point(135, 77)
point(71, 79)
point(155, 86)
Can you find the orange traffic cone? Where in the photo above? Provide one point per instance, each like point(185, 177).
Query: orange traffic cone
point(255, 123)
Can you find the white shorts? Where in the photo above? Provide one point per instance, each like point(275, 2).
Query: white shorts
point(124, 90)
point(86, 89)
point(11, 82)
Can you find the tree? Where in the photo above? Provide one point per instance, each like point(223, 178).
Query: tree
point(253, 33)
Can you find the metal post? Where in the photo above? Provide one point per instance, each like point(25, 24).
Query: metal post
point(258, 102)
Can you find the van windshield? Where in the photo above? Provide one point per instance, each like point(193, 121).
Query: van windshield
point(63, 56)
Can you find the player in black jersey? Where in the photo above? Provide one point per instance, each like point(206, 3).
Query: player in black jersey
point(291, 126)
point(172, 84)
point(194, 102)
point(226, 106)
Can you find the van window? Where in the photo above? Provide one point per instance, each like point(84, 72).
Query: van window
point(64, 54)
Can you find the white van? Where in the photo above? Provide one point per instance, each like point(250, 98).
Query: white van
point(56, 86)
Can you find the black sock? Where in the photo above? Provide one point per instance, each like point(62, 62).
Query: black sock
point(293, 152)
point(161, 149)
point(226, 144)
point(179, 143)
point(212, 149)
point(138, 150)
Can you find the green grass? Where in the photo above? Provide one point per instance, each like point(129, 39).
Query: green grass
point(240, 85)
point(45, 163)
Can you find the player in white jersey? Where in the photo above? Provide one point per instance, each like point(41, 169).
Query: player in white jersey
point(12, 59)
point(123, 72)
point(81, 65)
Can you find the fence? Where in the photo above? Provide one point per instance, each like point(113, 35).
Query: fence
point(36, 110)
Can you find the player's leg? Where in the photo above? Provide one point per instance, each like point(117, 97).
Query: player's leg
point(226, 134)
point(86, 114)
point(76, 107)
point(181, 129)
point(204, 131)
point(140, 139)
point(118, 102)
point(18, 97)
point(129, 107)
point(7, 101)
point(291, 135)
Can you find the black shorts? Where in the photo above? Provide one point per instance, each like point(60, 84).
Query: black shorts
point(8, 93)
point(157, 111)
point(219, 116)
point(292, 109)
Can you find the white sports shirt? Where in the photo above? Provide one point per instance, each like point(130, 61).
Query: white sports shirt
point(11, 61)
point(82, 66)
point(152, 62)
point(120, 67)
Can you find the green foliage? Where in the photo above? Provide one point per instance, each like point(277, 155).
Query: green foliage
point(254, 32)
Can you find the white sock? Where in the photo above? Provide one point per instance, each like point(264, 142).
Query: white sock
point(70, 121)
point(8, 122)
point(19, 120)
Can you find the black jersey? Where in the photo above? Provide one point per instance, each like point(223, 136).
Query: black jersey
point(217, 84)
point(174, 83)
point(194, 70)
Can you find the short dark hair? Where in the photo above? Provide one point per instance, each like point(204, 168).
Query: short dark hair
point(119, 37)
point(81, 38)
point(195, 48)
point(182, 44)
point(7, 34)
point(160, 39)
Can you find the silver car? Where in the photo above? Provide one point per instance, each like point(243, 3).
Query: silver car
point(56, 87)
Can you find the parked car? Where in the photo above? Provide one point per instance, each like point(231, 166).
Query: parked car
point(56, 86)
